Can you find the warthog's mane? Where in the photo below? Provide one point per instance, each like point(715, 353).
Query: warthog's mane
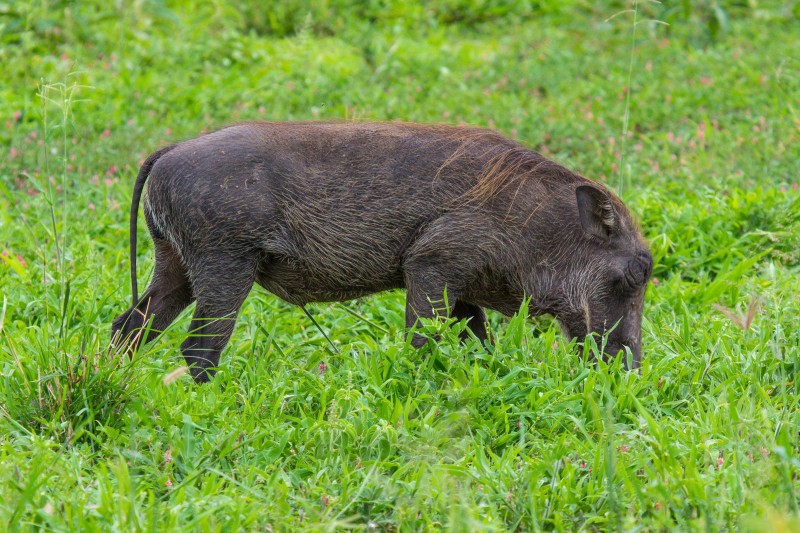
point(508, 165)
point(503, 162)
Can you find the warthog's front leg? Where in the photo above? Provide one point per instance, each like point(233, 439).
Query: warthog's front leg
point(475, 317)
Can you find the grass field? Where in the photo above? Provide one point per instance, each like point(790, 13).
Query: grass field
point(690, 110)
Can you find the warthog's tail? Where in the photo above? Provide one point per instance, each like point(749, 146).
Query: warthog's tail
point(138, 187)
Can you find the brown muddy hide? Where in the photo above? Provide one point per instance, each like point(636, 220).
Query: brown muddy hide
point(602, 293)
point(463, 219)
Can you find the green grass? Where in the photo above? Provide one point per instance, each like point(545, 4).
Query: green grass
point(292, 436)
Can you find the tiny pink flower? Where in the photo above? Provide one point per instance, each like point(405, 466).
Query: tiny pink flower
point(106, 133)
point(322, 368)
point(168, 484)
point(168, 456)
point(17, 116)
point(701, 131)
point(624, 449)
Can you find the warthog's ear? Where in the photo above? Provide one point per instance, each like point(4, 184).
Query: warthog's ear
point(598, 216)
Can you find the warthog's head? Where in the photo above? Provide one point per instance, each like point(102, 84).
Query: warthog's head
point(596, 274)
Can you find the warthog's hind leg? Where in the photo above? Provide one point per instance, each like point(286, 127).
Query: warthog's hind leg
point(168, 294)
point(222, 284)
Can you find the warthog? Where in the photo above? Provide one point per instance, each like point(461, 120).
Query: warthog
point(318, 212)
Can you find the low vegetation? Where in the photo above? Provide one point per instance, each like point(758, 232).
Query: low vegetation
point(688, 109)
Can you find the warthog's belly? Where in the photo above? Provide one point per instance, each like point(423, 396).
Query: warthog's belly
point(298, 282)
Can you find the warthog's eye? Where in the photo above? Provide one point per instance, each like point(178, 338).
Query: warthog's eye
point(636, 272)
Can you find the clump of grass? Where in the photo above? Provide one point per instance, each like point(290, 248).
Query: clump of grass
point(69, 396)
point(62, 381)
